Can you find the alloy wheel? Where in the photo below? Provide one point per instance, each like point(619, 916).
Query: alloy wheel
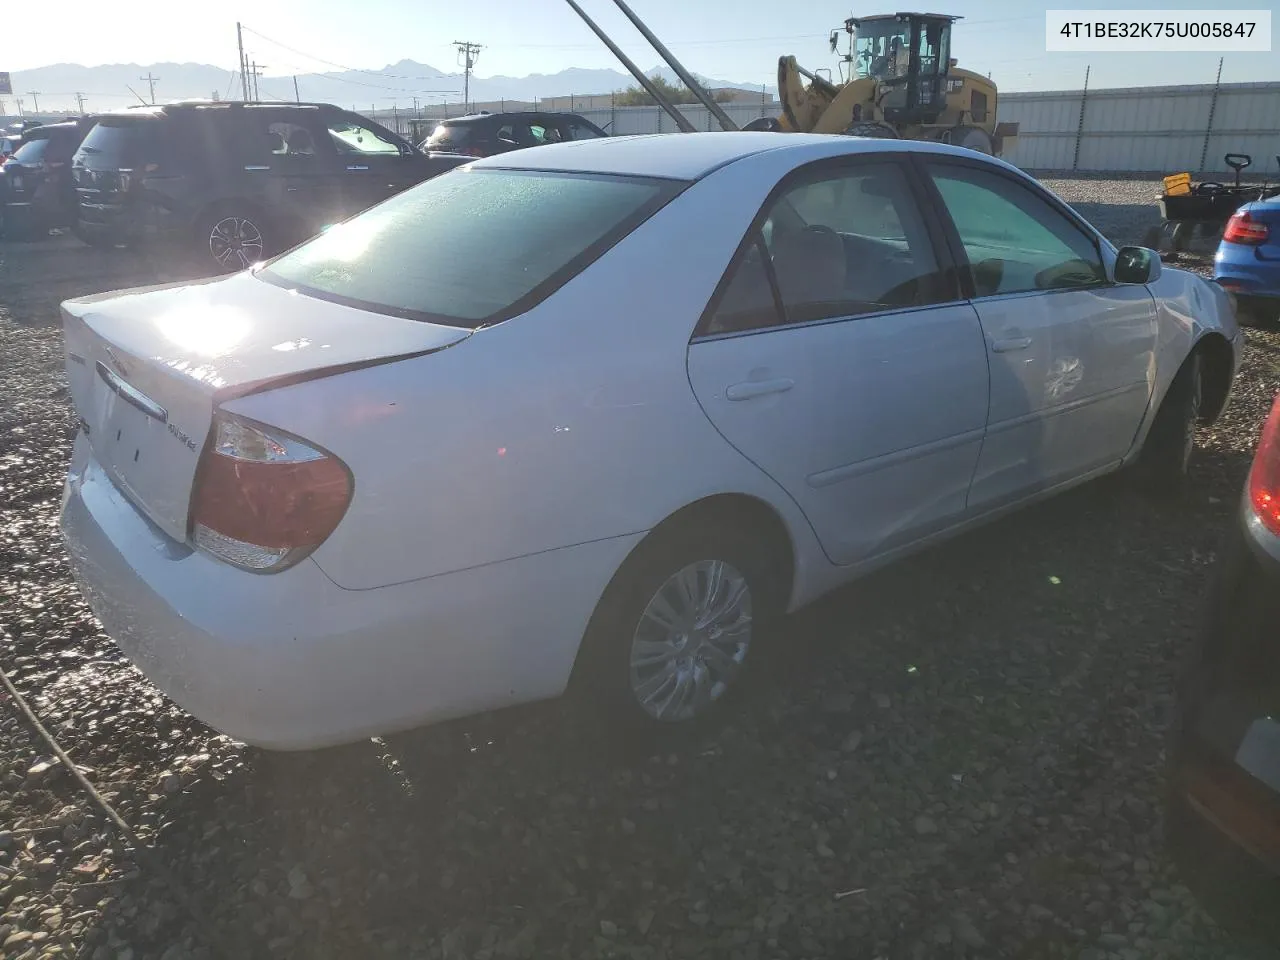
point(235, 242)
point(691, 641)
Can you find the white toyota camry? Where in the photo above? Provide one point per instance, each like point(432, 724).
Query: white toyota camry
point(599, 414)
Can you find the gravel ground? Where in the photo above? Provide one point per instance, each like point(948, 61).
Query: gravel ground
point(962, 757)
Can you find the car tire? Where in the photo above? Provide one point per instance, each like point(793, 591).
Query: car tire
point(1170, 444)
point(229, 237)
point(624, 671)
point(880, 131)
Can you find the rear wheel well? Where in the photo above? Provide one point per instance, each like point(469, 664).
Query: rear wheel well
point(1215, 375)
point(745, 512)
point(735, 510)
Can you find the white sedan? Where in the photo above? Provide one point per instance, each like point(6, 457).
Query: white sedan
point(595, 416)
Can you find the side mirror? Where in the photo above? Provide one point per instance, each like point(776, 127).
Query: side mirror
point(1137, 265)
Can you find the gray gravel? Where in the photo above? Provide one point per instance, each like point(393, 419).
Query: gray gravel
point(963, 758)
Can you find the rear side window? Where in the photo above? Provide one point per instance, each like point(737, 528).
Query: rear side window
point(467, 249)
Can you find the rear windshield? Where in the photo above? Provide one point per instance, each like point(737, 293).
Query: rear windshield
point(467, 248)
point(32, 151)
point(449, 135)
point(121, 141)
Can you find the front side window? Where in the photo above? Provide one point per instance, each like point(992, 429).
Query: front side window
point(835, 245)
point(351, 138)
point(467, 249)
point(1014, 241)
point(882, 49)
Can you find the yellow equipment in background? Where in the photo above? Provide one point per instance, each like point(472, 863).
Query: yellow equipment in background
point(902, 84)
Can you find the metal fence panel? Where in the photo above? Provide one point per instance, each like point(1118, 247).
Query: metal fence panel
point(1146, 129)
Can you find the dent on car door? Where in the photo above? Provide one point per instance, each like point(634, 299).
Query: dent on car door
point(1071, 353)
point(836, 359)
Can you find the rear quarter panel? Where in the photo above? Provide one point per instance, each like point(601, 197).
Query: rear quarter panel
point(572, 423)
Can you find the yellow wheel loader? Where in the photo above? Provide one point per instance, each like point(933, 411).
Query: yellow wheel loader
point(902, 83)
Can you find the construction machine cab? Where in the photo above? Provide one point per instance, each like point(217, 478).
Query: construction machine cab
point(908, 54)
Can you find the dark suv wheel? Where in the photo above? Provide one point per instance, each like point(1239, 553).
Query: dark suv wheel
point(231, 237)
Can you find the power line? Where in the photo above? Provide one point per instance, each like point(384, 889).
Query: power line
point(340, 66)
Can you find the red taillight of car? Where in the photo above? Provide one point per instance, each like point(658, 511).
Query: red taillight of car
point(1242, 228)
point(263, 500)
point(1264, 475)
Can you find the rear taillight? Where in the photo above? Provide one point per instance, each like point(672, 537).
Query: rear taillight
point(263, 500)
point(1242, 228)
point(1264, 475)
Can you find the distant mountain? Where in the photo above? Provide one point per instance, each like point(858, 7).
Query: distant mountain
point(108, 86)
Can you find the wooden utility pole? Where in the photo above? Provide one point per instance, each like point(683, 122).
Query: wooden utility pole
point(35, 99)
point(244, 73)
point(151, 82)
point(255, 71)
point(297, 97)
point(80, 102)
point(468, 52)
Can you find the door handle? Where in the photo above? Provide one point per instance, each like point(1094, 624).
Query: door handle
point(1010, 345)
point(758, 388)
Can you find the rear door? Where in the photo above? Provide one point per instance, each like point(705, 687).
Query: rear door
point(838, 357)
point(1071, 352)
point(288, 157)
point(373, 163)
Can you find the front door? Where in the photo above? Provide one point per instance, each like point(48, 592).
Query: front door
point(372, 163)
point(1071, 352)
point(836, 359)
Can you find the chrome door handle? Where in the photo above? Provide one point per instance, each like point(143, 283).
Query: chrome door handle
point(1011, 345)
point(758, 388)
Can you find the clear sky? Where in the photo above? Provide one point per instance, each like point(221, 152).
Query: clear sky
point(734, 40)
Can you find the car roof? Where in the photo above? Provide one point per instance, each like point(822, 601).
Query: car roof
point(691, 156)
point(47, 130)
point(471, 118)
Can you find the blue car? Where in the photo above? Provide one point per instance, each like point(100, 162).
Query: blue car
point(1248, 260)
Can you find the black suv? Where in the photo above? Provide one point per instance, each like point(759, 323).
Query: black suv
point(484, 134)
point(36, 190)
point(235, 183)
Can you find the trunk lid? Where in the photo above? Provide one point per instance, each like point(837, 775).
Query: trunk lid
point(148, 367)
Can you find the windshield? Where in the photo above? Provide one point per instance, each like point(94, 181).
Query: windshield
point(882, 49)
point(32, 152)
point(120, 141)
point(470, 248)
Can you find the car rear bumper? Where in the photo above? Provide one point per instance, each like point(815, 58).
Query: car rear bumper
point(1239, 269)
point(1224, 804)
point(126, 222)
point(291, 661)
